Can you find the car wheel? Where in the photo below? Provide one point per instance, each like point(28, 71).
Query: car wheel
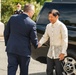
point(69, 66)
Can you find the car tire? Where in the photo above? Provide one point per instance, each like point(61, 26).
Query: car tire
point(69, 66)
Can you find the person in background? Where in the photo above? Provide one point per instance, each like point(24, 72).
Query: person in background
point(19, 10)
point(57, 32)
point(19, 33)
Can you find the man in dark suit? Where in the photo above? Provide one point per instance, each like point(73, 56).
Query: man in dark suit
point(19, 32)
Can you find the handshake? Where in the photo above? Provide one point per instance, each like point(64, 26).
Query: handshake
point(39, 45)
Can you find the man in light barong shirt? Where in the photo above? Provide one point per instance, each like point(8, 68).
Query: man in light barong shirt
point(58, 34)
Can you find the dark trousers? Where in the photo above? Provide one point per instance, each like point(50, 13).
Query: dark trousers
point(54, 63)
point(15, 60)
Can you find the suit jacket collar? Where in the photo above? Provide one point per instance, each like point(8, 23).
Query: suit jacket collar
point(25, 14)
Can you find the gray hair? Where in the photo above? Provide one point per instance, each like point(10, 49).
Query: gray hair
point(28, 7)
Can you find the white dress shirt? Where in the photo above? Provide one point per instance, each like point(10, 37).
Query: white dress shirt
point(58, 35)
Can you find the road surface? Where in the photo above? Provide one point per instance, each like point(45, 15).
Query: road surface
point(35, 67)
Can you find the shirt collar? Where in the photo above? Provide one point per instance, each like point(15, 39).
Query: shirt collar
point(55, 23)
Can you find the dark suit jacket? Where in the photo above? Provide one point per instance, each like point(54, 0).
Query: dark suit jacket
point(19, 32)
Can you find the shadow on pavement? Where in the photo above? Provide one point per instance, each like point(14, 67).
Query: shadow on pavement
point(41, 73)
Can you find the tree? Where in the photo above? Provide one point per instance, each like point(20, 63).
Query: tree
point(8, 8)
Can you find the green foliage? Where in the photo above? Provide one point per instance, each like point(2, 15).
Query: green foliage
point(5, 11)
point(9, 6)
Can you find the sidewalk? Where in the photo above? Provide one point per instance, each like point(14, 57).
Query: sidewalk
point(35, 67)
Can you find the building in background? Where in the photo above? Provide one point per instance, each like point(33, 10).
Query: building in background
point(1, 25)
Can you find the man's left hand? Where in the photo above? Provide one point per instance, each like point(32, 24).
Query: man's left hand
point(61, 56)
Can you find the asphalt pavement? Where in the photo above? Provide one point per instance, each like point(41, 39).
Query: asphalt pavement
point(35, 67)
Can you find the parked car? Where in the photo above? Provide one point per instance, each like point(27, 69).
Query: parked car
point(68, 17)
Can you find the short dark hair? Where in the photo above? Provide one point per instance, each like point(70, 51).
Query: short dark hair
point(27, 7)
point(54, 12)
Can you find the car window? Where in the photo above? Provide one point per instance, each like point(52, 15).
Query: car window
point(64, 0)
point(67, 13)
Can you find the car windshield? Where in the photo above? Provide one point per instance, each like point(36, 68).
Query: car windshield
point(67, 13)
point(64, 0)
